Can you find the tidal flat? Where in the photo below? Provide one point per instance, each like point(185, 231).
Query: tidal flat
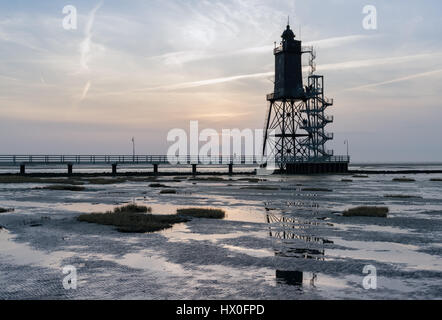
point(282, 237)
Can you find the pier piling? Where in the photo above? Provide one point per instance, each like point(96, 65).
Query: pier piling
point(70, 168)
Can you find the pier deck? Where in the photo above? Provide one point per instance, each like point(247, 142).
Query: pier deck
point(333, 164)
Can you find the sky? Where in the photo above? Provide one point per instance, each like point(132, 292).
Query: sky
point(143, 67)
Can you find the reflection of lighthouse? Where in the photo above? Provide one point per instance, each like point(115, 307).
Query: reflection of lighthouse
point(295, 242)
point(296, 114)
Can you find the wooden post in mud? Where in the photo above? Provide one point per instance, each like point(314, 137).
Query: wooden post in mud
point(70, 168)
point(194, 169)
point(114, 168)
point(231, 168)
point(155, 168)
point(22, 169)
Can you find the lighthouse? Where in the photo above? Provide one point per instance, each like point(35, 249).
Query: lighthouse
point(297, 116)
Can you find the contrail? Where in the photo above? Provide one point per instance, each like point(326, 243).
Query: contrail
point(85, 90)
point(410, 77)
point(181, 57)
point(8, 78)
point(336, 41)
point(374, 62)
point(193, 84)
point(85, 46)
point(334, 66)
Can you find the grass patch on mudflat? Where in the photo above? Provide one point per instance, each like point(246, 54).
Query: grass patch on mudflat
point(158, 185)
point(104, 181)
point(141, 179)
point(209, 213)
point(403, 179)
point(402, 196)
point(209, 179)
point(346, 180)
point(360, 176)
point(436, 179)
point(168, 191)
point(317, 189)
point(61, 187)
point(132, 208)
point(29, 179)
point(252, 180)
point(132, 218)
point(366, 211)
point(265, 188)
point(3, 210)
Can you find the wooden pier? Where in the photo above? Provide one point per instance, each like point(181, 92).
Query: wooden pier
point(333, 164)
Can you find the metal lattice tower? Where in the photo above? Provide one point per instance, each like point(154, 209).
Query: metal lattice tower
point(296, 113)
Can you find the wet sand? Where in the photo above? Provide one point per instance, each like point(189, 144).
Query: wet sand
point(273, 244)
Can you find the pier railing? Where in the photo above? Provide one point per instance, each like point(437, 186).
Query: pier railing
point(13, 160)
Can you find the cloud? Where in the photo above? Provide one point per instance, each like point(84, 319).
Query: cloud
point(219, 115)
point(181, 57)
point(18, 40)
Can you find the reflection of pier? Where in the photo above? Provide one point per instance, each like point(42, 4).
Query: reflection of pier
point(293, 278)
point(305, 205)
point(295, 240)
